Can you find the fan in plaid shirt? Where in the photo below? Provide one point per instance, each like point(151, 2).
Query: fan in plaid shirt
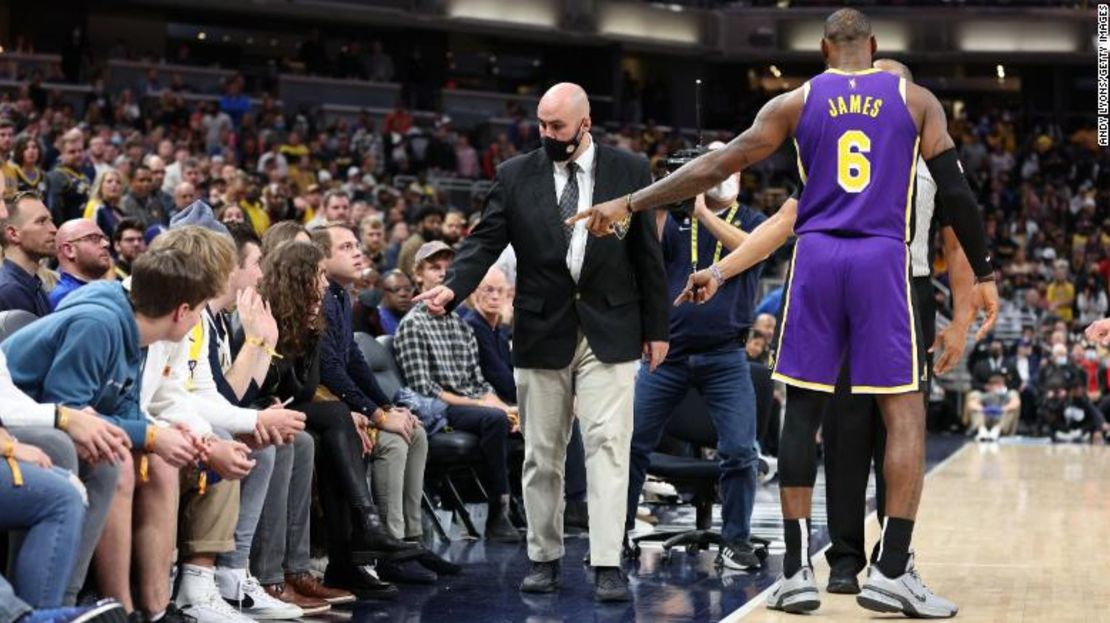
point(439, 359)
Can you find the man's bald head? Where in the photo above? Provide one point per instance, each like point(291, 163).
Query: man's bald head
point(565, 97)
point(564, 116)
point(847, 26)
point(75, 228)
point(892, 66)
point(83, 249)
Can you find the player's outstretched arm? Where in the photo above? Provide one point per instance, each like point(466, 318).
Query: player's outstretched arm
point(764, 239)
point(771, 127)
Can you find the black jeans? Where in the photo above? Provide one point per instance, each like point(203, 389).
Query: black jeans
point(492, 428)
point(340, 470)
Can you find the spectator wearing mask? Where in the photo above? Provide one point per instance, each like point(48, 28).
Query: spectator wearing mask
point(82, 257)
point(105, 205)
point(28, 238)
point(1091, 302)
point(994, 411)
point(995, 362)
point(400, 447)
point(429, 223)
point(142, 201)
point(439, 358)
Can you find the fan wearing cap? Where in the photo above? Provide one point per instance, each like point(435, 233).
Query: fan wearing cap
point(421, 343)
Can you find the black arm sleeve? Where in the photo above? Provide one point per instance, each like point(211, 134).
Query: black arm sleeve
point(961, 210)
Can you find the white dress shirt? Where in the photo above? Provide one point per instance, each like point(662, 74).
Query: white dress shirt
point(576, 252)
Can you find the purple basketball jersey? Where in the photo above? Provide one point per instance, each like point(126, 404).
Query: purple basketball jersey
point(857, 153)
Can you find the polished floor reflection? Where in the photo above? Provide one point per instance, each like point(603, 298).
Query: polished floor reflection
point(688, 588)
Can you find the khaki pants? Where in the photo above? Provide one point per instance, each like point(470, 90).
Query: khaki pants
point(207, 522)
point(396, 471)
point(547, 408)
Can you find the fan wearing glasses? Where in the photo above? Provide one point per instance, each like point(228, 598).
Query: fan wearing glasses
point(397, 291)
point(82, 257)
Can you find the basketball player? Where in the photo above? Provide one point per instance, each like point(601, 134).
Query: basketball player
point(858, 131)
point(852, 430)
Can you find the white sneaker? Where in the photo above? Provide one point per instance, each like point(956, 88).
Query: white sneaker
point(996, 432)
point(244, 592)
point(768, 468)
point(659, 491)
point(199, 598)
point(984, 434)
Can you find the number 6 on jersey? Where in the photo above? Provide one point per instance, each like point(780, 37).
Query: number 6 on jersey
point(853, 169)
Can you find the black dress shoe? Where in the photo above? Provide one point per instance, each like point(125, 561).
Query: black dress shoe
point(499, 528)
point(843, 582)
point(435, 562)
point(360, 580)
point(610, 585)
point(543, 578)
point(408, 572)
point(370, 540)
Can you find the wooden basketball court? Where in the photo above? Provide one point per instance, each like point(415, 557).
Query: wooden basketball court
point(1011, 533)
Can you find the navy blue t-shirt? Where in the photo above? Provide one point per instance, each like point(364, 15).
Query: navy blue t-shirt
point(717, 324)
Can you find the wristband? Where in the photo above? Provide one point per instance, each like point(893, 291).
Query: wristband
point(989, 278)
point(717, 276)
point(260, 343)
point(9, 455)
point(61, 418)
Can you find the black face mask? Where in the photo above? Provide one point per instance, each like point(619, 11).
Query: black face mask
point(560, 151)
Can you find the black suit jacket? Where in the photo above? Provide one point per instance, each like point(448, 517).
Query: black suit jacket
point(620, 300)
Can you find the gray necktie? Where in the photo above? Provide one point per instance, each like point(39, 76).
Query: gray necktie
point(568, 203)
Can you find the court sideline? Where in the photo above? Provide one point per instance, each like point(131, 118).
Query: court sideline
point(1011, 533)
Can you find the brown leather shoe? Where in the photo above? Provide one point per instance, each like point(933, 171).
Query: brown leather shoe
point(289, 594)
point(306, 584)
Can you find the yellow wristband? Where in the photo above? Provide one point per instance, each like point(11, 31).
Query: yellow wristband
point(9, 454)
point(258, 342)
point(61, 418)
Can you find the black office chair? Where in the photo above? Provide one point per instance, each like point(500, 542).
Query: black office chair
point(448, 451)
point(690, 425)
point(13, 320)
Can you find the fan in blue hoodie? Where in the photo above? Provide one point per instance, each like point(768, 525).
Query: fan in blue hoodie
point(90, 352)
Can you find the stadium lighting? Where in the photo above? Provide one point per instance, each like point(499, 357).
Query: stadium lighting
point(1001, 71)
point(202, 35)
point(776, 72)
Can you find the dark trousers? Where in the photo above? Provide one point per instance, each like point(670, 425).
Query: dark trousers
point(340, 471)
point(855, 438)
point(492, 428)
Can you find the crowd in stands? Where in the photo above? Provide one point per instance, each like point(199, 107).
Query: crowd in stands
point(241, 248)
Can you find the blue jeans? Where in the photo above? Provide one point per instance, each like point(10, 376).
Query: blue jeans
point(49, 507)
point(724, 381)
point(252, 494)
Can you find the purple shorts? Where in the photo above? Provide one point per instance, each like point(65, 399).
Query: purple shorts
point(850, 297)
